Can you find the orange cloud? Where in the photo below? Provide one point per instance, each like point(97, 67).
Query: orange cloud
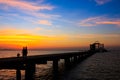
point(44, 22)
point(94, 21)
point(29, 6)
point(109, 22)
point(89, 21)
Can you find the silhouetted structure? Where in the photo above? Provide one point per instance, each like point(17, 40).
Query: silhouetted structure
point(18, 74)
point(24, 51)
point(97, 47)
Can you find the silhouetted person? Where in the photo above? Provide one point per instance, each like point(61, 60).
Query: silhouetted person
point(24, 52)
point(18, 54)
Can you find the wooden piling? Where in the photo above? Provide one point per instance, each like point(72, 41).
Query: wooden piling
point(67, 62)
point(30, 71)
point(55, 69)
point(75, 59)
point(18, 74)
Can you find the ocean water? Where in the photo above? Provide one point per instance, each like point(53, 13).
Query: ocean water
point(43, 71)
point(100, 66)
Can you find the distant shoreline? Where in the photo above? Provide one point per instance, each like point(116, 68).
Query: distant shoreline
point(74, 49)
point(61, 49)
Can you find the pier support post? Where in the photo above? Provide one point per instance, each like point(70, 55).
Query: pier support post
point(71, 60)
point(55, 69)
point(67, 62)
point(30, 71)
point(79, 58)
point(18, 74)
point(75, 59)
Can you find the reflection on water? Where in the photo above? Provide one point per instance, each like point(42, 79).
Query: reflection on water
point(6, 74)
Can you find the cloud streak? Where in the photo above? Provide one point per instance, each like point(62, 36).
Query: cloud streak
point(29, 6)
point(101, 2)
point(94, 21)
point(97, 36)
point(92, 36)
point(29, 9)
point(45, 22)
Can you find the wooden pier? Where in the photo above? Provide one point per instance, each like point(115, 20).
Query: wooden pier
point(28, 63)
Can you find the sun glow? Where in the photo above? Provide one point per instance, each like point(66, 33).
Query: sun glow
point(15, 40)
point(27, 40)
point(44, 42)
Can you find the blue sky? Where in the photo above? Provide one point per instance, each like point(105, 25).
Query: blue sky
point(66, 18)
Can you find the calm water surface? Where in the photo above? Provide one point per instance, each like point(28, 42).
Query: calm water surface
point(100, 66)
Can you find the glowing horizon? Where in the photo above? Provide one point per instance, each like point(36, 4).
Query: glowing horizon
point(17, 41)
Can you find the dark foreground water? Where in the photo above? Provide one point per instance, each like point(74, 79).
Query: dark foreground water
point(100, 66)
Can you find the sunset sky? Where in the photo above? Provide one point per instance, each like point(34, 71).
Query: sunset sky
point(51, 24)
